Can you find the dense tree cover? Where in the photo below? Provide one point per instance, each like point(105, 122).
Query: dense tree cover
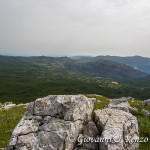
point(23, 79)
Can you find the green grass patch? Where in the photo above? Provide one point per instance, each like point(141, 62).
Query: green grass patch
point(143, 123)
point(8, 121)
point(101, 102)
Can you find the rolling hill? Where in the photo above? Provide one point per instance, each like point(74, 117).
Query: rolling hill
point(137, 62)
point(23, 79)
point(96, 67)
point(106, 68)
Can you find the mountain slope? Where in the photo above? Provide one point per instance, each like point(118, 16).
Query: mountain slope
point(137, 62)
point(106, 68)
point(96, 67)
point(23, 79)
point(82, 58)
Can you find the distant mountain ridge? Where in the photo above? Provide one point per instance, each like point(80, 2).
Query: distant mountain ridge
point(96, 67)
point(136, 62)
point(107, 69)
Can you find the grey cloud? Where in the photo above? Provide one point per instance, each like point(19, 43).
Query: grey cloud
point(75, 27)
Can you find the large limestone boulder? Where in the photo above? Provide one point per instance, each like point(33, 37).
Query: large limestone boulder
point(52, 123)
point(117, 128)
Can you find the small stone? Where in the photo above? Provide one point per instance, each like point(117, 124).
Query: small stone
point(145, 112)
point(146, 103)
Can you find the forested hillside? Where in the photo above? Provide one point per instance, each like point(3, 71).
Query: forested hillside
point(137, 62)
point(25, 78)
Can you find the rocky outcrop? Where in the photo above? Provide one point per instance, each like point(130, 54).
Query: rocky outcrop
point(63, 122)
point(146, 103)
point(52, 123)
point(145, 112)
point(9, 105)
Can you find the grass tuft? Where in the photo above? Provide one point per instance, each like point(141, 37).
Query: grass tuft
point(143, 123)
point(101, 102)
point(8, 121)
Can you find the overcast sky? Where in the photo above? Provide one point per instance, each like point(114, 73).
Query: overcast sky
point(75, 27)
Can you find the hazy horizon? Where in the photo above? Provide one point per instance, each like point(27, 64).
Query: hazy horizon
point(73, 27)
point(53, 55)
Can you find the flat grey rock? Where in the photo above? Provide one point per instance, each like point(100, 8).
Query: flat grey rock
point(121, 104)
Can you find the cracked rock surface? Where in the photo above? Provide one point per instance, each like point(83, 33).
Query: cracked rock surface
point(63, 122)
point(52, 123)
point(121, 104)
point(116, 126)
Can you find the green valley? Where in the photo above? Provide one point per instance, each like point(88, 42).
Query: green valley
point(23, 79)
